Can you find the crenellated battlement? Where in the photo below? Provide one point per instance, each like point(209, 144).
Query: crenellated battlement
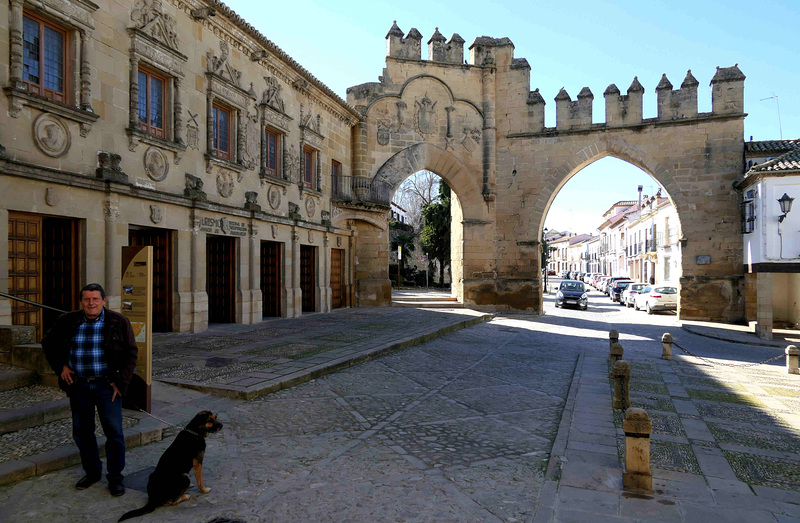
point(409, 47)
point(727, 98)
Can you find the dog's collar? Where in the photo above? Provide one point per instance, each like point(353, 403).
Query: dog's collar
point(192, 432)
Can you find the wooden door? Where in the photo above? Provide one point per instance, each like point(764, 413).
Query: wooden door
point(337, 277)
point(25, 268)
point(59, 267)
point(271, 278)
point(161, 241)
point(221, 279)
point(307, 279)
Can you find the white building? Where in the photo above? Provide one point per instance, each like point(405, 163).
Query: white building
point(771, 234)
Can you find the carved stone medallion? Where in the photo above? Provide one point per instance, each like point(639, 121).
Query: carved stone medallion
point(274, 197)
point(311, 207)
point(225, 184)
point(156, 164)
point(51, 135)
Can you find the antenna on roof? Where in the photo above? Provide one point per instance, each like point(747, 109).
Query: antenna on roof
point(775, 96)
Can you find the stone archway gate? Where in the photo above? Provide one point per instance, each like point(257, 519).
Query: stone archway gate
point(479, 126)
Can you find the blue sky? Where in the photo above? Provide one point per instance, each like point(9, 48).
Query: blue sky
point(581, 43)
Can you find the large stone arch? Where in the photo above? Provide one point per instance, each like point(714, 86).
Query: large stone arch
point(478, 122)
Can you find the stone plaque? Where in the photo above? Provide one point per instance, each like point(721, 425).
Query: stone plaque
point(703, 259)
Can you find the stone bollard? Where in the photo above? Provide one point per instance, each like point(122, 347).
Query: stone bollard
point(637, 476)
point(615, 352)
point(613, 337)
point(792, 357)
point(622, 384)
point(666, 342)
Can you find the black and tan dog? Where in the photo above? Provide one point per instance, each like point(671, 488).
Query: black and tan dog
point(168, 483)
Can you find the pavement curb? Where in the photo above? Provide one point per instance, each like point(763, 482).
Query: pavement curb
point(751, 338)
point(545, 509)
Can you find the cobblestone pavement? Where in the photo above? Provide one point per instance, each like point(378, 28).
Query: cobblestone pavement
point(458, 429)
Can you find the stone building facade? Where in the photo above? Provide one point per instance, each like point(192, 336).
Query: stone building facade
point(176, 124)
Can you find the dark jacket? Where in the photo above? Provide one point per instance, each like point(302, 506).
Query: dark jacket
point(119, 346)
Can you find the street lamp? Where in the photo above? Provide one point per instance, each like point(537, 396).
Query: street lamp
point(786, 205)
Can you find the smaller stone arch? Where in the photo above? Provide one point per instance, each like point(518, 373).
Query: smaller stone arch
point(433, 158)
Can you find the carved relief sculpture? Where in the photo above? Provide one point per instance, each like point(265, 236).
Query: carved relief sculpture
point(274, 197)
point(193, 131)
point(225, 184)
point(311, 207)
point(156, 164)
point(272, 94)
point(156, 214)
point(425, 115)
point(51, 197)
point(148, 17)
point(51, 135)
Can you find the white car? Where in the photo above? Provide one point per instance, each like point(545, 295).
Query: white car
point(630, 293)
point(657, 298)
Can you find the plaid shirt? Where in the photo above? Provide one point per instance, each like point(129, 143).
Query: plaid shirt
point(86, 357)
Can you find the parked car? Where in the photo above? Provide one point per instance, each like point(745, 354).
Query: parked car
point(656, 298)
point(630, 293)
point(551, 272)
point(602, 282)
point(565, 274)
point(616, 289)
point(572, 292)
point(610, 282)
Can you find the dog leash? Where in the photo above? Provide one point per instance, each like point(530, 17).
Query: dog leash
point(152, 415)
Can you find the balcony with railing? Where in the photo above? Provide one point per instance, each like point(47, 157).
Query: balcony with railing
point(358, 189)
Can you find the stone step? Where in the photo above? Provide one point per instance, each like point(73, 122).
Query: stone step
point(438, 304)
point(11, 335)
point(33, 406)
point(44, 448)
point(13, 378)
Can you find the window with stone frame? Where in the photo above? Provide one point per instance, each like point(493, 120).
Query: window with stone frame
point(44, 57)
point(273, 143)
point(222, 131)
point(48, 65)
point(309, 167)
point(152, 103)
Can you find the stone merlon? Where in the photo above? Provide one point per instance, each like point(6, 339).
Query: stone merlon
point(635, 86)
point(728, 74)
point(690, 80)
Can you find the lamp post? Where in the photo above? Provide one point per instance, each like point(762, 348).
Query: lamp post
point(785, 202)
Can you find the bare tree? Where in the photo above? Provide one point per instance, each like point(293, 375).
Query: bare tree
point(417, 191)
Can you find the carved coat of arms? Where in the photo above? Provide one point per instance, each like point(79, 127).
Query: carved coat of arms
point(425, 115)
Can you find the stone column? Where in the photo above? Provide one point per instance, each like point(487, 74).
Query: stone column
point(198, 277)
point(15, 40)
point(622, 384)
point(294, 307)
point(792, 357)
point(86, 73)
point(239, 137)
point(210, 122)
point(666, 342)
point(256, 298)
point(262, 164)
point(637, 427)
point(134, 93)
point(325, 288)
point(113, 254)
point(489, 127)
point(177, 111)
point(764, 314)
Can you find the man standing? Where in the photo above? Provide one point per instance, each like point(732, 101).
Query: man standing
point(93, 352)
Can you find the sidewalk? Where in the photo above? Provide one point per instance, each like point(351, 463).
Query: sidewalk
point(725, 445)
point(233, 361)
point(741, 333)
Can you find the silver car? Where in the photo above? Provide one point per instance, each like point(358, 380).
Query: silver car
point(630, 293)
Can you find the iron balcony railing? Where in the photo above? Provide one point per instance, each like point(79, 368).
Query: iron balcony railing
point(360, 189)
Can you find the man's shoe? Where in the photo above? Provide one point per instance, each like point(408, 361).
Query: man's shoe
point(86, 482)
point(116, 488)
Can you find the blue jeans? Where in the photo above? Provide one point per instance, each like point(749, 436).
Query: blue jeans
point(84, 397)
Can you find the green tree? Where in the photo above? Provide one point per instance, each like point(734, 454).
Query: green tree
point(405, 240)
point(435, 235)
